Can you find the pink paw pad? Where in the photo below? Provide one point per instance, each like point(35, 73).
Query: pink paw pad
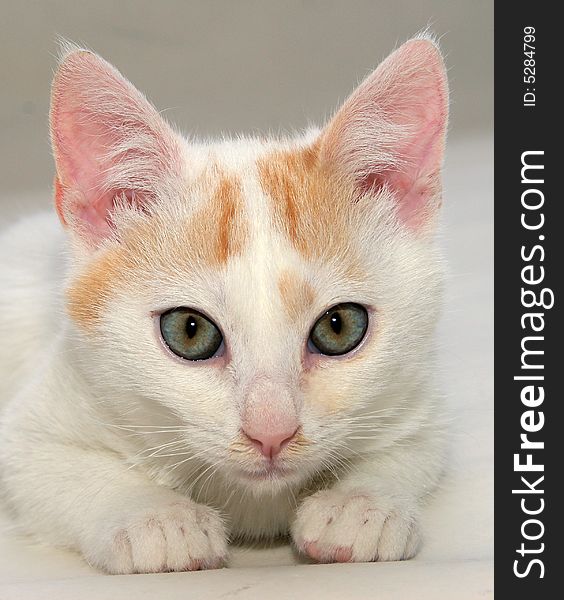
point(340, 554)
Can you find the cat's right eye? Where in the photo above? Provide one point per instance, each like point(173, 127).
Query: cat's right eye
point(189, 334)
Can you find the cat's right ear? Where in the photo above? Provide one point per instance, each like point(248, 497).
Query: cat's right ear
point(110, 144)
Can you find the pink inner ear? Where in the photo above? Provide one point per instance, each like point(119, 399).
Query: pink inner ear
point(97, 215)
point(391, 130)
point(419, 182)
point(108, 140)
point(92, 205)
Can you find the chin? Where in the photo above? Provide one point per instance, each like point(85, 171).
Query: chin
point(269, 480)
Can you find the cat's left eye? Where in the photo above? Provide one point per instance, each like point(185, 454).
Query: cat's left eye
point(339, 330)
point(190, 334)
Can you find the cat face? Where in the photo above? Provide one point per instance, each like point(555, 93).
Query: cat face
point(269, 302)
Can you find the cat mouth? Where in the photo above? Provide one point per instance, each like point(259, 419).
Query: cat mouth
point(267, 473)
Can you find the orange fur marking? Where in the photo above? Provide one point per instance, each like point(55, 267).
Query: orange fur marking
point(227, 203)
point(210, 235)
point(321, 391)
point(59, 195)
point(297, 294)
point(310, 205)
point(88, 294)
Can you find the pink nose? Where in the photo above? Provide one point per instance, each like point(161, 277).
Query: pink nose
point(270, 444)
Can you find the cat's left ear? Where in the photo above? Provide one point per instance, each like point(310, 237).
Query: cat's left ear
point(110, 144)
point(391, 131)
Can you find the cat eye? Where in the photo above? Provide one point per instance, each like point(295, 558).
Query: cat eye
point(190, 334)
point(339, 330)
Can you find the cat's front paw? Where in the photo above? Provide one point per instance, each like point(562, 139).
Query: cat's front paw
point(332, 526)
point(180, 536)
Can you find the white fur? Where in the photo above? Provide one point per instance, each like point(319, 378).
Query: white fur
point(111, 447)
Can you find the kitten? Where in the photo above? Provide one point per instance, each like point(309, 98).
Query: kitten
point(227, 340)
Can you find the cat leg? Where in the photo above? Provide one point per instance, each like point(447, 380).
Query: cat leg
point(119, 520)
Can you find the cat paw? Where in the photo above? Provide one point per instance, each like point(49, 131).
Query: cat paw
point(180, 536)
point(332, 526)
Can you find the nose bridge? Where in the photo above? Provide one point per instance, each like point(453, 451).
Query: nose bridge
point(266, 336)
point(268, 405)
point(268, 400)
point(265, 352)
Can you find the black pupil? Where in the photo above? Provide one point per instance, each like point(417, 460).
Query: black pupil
point(336, 323)
point(191, 327)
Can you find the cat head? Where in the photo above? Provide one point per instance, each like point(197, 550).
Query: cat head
point(268, 301)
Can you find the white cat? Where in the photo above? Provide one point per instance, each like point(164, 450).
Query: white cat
point(227, 340)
